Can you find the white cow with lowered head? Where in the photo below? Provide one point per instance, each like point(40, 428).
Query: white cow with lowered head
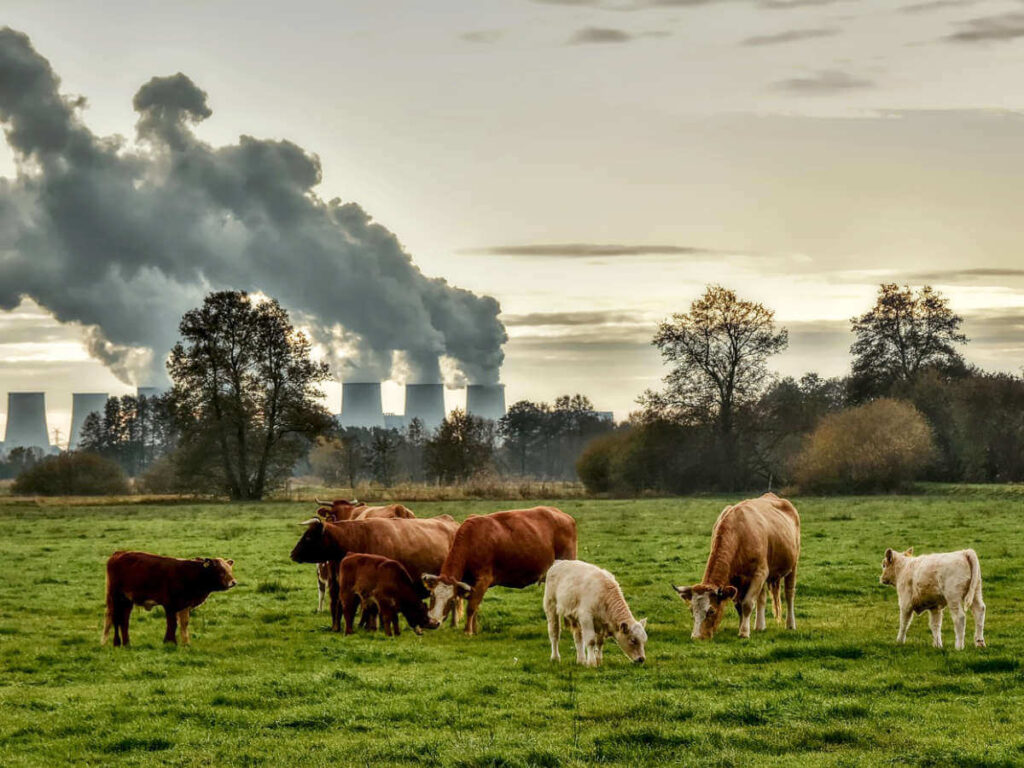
point(930, 583)
point(590, 602)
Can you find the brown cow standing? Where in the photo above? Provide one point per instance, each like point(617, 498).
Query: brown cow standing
point(505, 549)
point(754, 546)
point(139, 578)
point(383, 582)
point(420, 545)
point(342, 509)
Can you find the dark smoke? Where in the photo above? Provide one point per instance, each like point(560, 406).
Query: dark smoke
point(124, 238)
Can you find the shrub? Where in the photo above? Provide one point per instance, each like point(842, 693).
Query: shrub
point(72, 474)
point(161, 477)
point(594, 464)
point(880, 446)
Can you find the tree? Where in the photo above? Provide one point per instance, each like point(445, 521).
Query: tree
point(384, 447)
point(718, 352)
point(904, 333)
point(133, 431)
point(521, 428)
point(77, 473)
point(245, 394)
point(462, 446)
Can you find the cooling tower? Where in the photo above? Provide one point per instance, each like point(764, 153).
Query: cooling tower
point(148, 391)
point(82, 404)
point(361, 405)
point(486, 400)
point(426, 403)
point(26, 421)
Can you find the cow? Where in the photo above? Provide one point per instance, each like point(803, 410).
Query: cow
point(930, 583)
point(385, 584)
point(755, 545)
point(418, 544)
point(514, 548)
point(342, 509)
point(139, 578)
point(590, 602)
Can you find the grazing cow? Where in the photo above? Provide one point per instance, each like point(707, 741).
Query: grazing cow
point(504, 549)
point(342, 509)
point(384, 583)
point(930, 583)
point(139, 578)
point(590, 602)
point(418, 544)
point(755, 545)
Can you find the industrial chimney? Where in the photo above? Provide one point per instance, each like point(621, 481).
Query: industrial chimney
point(148, 391)
point(82, 404)
point(361, 405)
point(426, 403)
point(26, 421)
point(486, 400)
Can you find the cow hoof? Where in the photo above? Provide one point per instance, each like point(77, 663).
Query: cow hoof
point(980, 643)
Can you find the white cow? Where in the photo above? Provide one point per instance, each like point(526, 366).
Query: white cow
point(590, 602)
point(930, 583)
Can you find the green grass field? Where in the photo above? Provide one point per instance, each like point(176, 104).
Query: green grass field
point(264, 683)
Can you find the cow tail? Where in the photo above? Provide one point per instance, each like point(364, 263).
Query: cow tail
point(108, 619)
point(975, 581)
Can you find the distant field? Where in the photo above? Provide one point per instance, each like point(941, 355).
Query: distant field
point(264, 684)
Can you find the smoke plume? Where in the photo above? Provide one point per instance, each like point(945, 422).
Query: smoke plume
point(124, 237)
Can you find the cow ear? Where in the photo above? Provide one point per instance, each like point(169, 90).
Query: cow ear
point(207, 562)
point(463, 589)
point(643, 622)
point(888, 555)
point(231, 562)
point(684, 592)
point(624, 627)
point(909, 552)
point(429, 580)
point(727, 593)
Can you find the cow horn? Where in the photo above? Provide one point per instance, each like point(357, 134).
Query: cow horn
point(311, 521)
point(322, 503)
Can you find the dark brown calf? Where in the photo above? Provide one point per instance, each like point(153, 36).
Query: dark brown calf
point(372, 580)
point(139, 578)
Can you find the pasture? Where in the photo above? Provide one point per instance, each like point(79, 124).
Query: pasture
point(264, 683)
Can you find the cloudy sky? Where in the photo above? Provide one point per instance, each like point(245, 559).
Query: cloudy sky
point(593, 164)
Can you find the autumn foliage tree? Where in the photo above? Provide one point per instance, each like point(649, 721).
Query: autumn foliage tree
point(245, 395)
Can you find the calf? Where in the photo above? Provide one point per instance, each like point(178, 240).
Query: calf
point(590, 602)
point(755, 545)
point(504, 549)
point(139, 578)
point(930, 583)
point(384, 583)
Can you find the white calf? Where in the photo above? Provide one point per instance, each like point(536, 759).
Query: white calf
point(930, 583)
point(590, 602)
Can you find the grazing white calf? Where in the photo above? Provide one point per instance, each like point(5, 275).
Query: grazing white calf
point(590, 601)
point(930, 583)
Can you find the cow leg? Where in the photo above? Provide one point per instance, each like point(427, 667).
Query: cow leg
point(370, 615)
point(959, 623)
point(978, 609)
point(335, 598)
point(760, 623)
point(589, 644)
point(906, 616)
point(577, 639)
point(554, 631)
point(599, 648)
point(183, 616)
point(935, 622)
point(126, 617)
point(458, 610)
point(473, 605)
point(349, 606)
point(172, 626)
point(750, 598)
point(322, 590)
point(791, 599)
point(122, 614)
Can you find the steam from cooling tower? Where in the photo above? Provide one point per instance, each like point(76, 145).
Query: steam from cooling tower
point(124, 238)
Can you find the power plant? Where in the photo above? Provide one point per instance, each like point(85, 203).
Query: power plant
point(26, 421)
point(486, 400)
point(426, 403)
point(148, 391)
point(361, 405)
point(82, 404)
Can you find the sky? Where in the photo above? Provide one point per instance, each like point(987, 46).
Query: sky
point(593, 165)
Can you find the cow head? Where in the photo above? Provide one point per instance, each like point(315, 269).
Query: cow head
point(632, 639)
point(707, 603)
point(891, 565)
point(313, 546)
point(443, 592)
point(218, 573)
point(418, 616)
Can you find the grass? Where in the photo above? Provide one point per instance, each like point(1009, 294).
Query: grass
point(264, 684)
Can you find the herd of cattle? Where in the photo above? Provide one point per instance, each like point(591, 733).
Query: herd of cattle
point(388, 562)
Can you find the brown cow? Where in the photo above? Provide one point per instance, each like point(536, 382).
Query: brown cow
point(384, 583)
point(139, 578)
point(754, 546)
point(418, 544)
point(505, 549)
point(342, 509)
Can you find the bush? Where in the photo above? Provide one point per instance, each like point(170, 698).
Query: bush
point(72, 474)
point(161, 477)
point(880, 446)
point(594, 464)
